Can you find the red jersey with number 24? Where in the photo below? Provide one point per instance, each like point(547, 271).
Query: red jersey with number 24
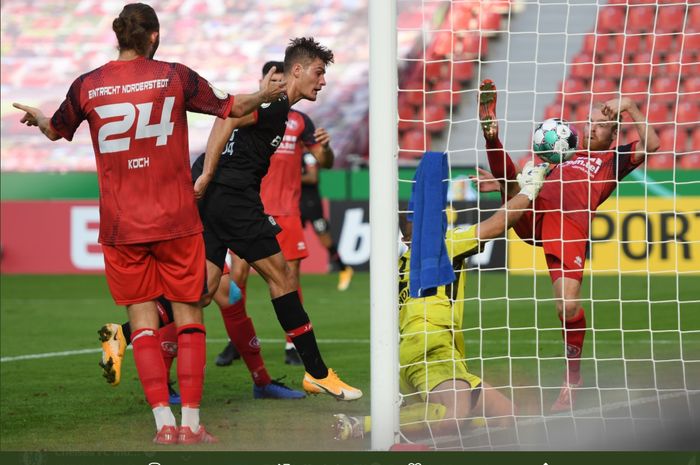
point(280, 190)
point(136, 110)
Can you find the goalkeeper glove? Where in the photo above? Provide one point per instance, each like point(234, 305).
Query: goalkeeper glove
point(531, 179)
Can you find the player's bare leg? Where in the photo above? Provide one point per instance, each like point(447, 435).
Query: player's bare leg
point(567, 292)
point(295, 321)
point(213, 278)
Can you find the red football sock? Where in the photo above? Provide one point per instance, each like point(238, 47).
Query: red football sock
point(573, 335)
point(168, 344)
point(241, 331)
point(192, 356)
point(150, 366)
point(501, 165)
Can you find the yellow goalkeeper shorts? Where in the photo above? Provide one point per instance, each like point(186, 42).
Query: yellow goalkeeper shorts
point(429, 355)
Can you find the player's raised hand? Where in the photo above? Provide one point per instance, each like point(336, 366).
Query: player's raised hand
point(485, 181)
point(271, 88)
point(322, 137)
point(531, 179)
point(31, 115)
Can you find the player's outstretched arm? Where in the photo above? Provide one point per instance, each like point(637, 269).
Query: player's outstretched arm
point(323, 151)
point(531, 181)
point(219, 135)
point(648, 138)
point(269, 91)
point(34, 117)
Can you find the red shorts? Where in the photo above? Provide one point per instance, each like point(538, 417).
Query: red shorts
point(291, 239)
point(175, 268)
point(564, 244)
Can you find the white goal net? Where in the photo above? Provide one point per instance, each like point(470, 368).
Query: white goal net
point(639, 369)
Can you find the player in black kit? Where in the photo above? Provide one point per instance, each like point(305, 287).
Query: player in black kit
point(237, 158)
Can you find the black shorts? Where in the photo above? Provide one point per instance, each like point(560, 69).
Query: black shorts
point(312, 211)
point(234, 219)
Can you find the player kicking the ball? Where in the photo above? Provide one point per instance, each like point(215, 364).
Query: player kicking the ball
point(566, 205)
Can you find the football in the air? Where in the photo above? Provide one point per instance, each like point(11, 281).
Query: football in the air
point(554, 140)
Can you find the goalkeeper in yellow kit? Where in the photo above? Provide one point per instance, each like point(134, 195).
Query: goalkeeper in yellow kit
point(431, 351)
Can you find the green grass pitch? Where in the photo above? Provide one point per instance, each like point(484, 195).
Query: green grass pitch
point(643, 340)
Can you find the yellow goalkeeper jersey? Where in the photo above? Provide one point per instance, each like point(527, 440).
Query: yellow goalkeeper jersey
point(446, 308)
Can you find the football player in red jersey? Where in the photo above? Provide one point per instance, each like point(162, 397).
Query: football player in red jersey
point(230, 173)
point(149, 227)
point(573, 190)
point(280, 192)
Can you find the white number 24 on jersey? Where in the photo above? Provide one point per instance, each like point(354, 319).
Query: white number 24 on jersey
point(127, 111)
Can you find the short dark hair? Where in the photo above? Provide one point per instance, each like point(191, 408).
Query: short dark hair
point(305, 50)
point(277, 64)
point(134, 25)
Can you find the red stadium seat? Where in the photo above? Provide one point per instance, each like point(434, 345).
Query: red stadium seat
point(690, 70)
point(639, 19)
point(436, 70)
point(635, 88)
point(463, 71)
point(657, 113)
point(661, 83)
point(669, 18)
point(581, 67)
point(640, 66)
point(610, 18)
point(692, 84)
point(589, 44)
point(444, 94)
point(690, 161)
point(692, 20)
point(435, 117)
point(604, 89)
point(661, 160)
point(554, 110)
point(688, 112)
point(412, 97)
point(462, 17)
point(691, 45)
point(664, 90)
point(664, 44)
point(606, 43)
point(673, 141)
point(407, 116)
point(670, 69)
point(488, 21)
point(413, 143)
point(610, 68)
point(471, 46)
point(635, 43)
point(577, 99)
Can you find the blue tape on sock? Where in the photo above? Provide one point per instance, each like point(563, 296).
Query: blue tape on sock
point(234, 293)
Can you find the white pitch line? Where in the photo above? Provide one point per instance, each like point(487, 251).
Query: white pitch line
point(469, 342)
point(67, 353)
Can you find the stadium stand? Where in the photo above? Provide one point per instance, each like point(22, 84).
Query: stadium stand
point(46, 44)
point(655, 63)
